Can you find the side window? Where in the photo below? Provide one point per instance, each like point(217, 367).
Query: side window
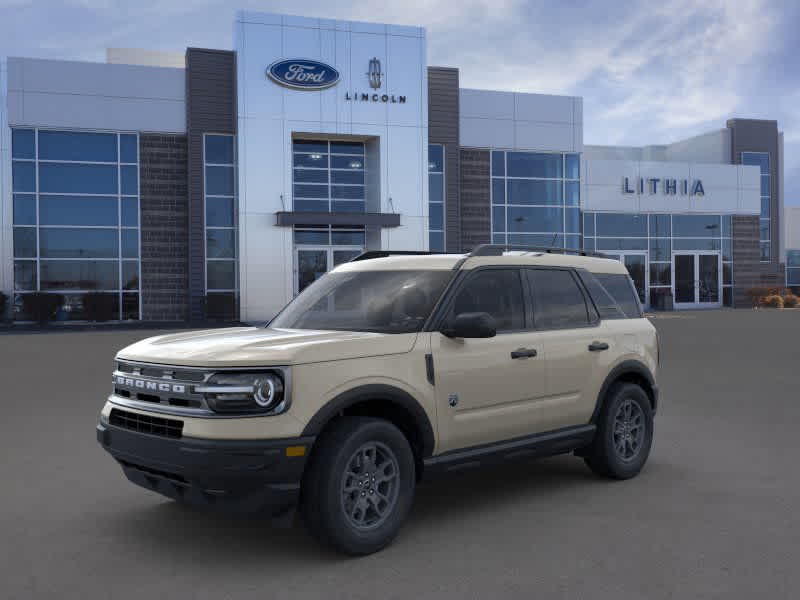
point(558, 302)
point(494, 291)
point(621, 289)
point(605, 303)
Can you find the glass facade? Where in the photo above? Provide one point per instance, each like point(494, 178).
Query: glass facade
point(328, 176)
point(761, 160)
point(657, 237)
point(793, 269)
point(536, 198)
point(219, 159)
point(436, 198)
point(76, 219)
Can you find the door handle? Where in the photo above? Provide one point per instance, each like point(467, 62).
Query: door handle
point(523, 353)
point(598, 346)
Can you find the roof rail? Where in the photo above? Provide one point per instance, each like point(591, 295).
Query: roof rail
point(498, 249)
point(384, 253)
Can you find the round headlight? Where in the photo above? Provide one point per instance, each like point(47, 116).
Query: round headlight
point(268, 391)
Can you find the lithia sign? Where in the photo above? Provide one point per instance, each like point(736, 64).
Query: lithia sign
point(667, 186)
point(306, 74)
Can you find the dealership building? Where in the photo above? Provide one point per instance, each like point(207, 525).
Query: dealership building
point(218, 184)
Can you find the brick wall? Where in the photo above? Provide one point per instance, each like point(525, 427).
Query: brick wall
point(165, 230)
point(476, 216)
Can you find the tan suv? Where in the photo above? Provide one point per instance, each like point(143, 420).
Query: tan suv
point(389, 368)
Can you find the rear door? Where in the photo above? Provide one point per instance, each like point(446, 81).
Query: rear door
point(577, 345)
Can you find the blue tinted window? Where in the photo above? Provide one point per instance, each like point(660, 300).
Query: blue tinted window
point(765, 185)
point(23, 143)
point(765, 208)
point(765, 251)
point(310, 146)
point(130, 243)
point(621, 244)
point(356, 177)
point(537, 239)
point(436, 216)
point(696, 225)
point(529, 164)
point(759, 159)
point(129, 180)
point(498, 218)
point(573, 242)
point(312, 237)
point(320, 161)
point(128, 149)
point(588, 224)
point(793, 258)
point(348, 238)
point(572, 220)
point(498, 191)
point(695, 244)
point(77, 179)
point(660, 249)
point(80, 275)
point(726, 225)
point(80, 146)
point(522, 191)
point(347, 192)
point(498, 163)
point(25, 242)
point(219, 212)
point(220, 243)
point(727, 249)
point(435, 158)
point(436, 188)
point(436, 241)
point(764, 229)
point(498, 238)
point(311, 205)
point(347, 148)
point(130, 275)
point(219, 149)
point(23, 176)
point(524, 219)
point(219, 181)
point(625, 225)
point(338, 162)
point(221, 274)
point(310, 191)
point(572, 189)
point(78, 243)
point(130, 212)
point(312, 175)
point(24, 209)
point(77, 210)
point(660, 226)
point(24, 275)
point(573, 166)
point(348, 206)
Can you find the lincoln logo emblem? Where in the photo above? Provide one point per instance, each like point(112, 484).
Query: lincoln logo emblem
point(374, 74)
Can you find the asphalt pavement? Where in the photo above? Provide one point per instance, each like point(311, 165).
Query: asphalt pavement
point(713, 515)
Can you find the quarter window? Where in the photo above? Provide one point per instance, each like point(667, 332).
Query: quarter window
point(558, 302)
point(497, 292)
point(621, 289)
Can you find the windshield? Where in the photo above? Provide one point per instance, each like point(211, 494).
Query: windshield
point(379, 301)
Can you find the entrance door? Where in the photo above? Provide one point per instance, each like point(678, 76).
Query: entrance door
point(311, 263)
point(696, 279)
point(636, 263)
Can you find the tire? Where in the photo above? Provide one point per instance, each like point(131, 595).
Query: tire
point(624, 433)
point(338, 509)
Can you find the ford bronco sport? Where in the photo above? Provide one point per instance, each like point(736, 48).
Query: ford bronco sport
point(389, 368)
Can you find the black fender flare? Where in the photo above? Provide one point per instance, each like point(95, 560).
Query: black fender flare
point(626, 367)
point(380, 392)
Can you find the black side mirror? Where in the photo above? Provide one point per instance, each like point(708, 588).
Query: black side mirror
point(471, 325)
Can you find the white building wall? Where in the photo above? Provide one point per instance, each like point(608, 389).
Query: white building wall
point(729, 189)
point(713, 147)
point(269, 115)
point(791, 228)
point(145, 58)
point(82, 95)
point(6, 205)
point(519, 121)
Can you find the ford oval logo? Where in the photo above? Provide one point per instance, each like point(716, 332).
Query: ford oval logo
point(303, 74)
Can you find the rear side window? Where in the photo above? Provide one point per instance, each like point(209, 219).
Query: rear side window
point(558, 302)
point(620, 286)
point(497, 292)
point(607, 307)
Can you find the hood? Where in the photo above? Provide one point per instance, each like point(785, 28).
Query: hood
point(256, 347)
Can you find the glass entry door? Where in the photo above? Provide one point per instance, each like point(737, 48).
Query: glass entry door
point(696, 279)
point(312, 263)
point(636, 263)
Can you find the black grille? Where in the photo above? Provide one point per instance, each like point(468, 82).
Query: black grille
point(170, 428)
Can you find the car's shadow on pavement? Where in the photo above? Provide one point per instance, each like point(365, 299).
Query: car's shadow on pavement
point(179, 532)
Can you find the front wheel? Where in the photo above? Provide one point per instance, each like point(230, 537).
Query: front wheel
point(359, 485)
point(624, 433)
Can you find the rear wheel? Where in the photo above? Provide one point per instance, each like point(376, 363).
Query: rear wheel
point(359, 485)
point(624, 433)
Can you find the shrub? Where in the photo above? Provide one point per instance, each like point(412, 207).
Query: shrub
point(41, 306)
point(3, 306)
point(98, 306)
point(790, 301)
point(773, 301)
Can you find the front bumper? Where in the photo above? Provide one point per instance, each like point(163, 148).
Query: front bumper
point(241, 476)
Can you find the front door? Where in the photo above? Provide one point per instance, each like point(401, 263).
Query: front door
point(636, 263)
point(311, 263)
point(696, 279)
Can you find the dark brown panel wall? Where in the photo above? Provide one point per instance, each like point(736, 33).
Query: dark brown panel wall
point(443, 129)
point(476, 216)
point(210, 108)
point(746, 254)
point(164, 226)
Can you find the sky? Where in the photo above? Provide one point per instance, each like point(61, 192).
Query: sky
point(650, 72)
